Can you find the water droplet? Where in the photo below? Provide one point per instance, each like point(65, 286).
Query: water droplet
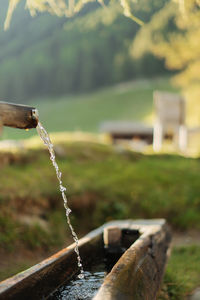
point(68, 211)
point(62, 189)
point(81, 276)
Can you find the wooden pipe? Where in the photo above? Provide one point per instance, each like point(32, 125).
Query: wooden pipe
point(18, 116)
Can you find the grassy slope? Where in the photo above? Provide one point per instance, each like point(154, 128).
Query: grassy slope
point(182, 274)
point(128, 101)
point(120, 185)
point(105, 185)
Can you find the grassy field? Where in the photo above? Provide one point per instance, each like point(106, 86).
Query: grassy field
point(182, 274)
point(103, 182)
point(126, 101)
point(111, 184)
point(116, 185)
point(103, 185)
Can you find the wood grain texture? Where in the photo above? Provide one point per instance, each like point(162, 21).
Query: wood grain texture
point(18, 116)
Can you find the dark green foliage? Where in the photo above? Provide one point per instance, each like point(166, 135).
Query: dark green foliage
point(111, 185)
point(8, 232)
point(35, 237)
point(47, 55)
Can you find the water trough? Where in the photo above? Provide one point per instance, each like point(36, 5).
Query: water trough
point(134, 253)
point(137, 274)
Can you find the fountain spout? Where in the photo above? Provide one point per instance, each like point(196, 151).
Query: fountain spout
point(18, 116)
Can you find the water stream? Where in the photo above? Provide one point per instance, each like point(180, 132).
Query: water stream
point(46, 139)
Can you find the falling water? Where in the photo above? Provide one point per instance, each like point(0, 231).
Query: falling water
point(46, 139)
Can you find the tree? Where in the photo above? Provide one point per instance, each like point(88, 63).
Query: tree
point(173, 34)
point(61, 8)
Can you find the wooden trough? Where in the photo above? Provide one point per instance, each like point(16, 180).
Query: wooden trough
point(136, 275)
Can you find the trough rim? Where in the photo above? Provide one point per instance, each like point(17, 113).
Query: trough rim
point(145, 227)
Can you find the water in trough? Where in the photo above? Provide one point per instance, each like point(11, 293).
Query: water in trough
point(81, 289)
point(95, 272)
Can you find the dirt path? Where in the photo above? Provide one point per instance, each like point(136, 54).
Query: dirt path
point(191, 237)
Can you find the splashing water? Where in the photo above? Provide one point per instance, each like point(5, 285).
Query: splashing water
point(46, 139)
point(80, 289)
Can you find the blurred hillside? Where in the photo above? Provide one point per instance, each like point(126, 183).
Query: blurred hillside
point(131, 101)
point(47, 55)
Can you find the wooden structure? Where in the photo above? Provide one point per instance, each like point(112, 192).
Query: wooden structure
point(18, 116)
point(122, 130)
point(136, 275)
point(170, 120)
point(1, 126)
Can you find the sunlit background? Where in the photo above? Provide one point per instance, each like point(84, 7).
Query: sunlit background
point(86, 68)
point(80, 71)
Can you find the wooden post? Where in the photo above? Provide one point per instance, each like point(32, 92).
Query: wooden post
point(1, 126)
point(183, 138)
point(170, 119)
point(112, 236)
point(157, 136)
point(18, 116)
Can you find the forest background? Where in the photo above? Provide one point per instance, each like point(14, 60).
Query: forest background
point(78, 71)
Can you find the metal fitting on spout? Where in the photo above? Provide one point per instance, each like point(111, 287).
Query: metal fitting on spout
point(18, 116)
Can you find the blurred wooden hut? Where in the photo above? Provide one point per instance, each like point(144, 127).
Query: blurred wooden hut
point(170, 120)
point(123, 130)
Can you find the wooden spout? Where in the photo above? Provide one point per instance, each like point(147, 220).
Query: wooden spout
point(18, 116)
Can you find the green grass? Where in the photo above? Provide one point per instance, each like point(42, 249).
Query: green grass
point(15, 268)
point(113, 185)
point(103, 184)
point(128, 101)
point(182, 274)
